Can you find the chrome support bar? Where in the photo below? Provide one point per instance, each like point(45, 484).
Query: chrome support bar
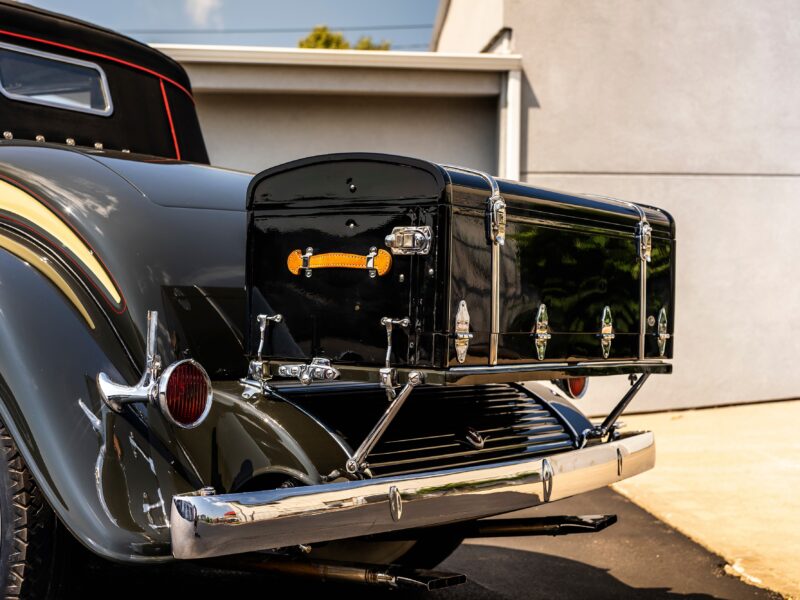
point(205, 526)
point(387, 373)
point(600, 431)
point(358, 461)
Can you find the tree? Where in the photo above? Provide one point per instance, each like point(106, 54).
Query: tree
point(322, 37)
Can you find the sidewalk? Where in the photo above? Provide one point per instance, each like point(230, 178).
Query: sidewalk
point(729, 478)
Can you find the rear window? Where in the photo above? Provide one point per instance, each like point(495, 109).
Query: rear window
point(52, 80)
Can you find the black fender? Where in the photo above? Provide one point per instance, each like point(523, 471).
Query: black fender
point(110, 477)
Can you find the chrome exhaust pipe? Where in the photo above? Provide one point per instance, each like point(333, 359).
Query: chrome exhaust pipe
point(372, 575)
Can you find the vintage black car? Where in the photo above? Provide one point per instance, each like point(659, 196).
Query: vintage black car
point(312, 371)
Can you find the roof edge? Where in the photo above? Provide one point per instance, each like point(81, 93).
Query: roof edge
point(263, 55)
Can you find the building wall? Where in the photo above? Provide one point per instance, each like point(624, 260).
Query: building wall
point(470, 24)
point(254, 131)
point(691, 106)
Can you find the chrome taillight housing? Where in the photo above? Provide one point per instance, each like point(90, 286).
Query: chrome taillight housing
point(184, 393)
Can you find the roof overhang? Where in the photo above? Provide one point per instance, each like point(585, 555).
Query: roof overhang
point(255, 69)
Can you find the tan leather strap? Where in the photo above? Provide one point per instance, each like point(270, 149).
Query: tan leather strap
point(381, 262)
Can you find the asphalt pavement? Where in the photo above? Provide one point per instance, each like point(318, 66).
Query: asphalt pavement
point(639, 557)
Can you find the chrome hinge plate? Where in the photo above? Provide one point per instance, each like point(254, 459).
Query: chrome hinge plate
point(606, 331)
point(497, 219)
point(644, 237)
point(319, 369)
point(541, 331)
point(404, 241)
point(663, 336)
point(462, 333)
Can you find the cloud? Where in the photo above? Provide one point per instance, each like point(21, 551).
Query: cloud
point(204, 12)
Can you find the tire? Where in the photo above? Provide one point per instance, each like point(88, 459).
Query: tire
point(30, 535)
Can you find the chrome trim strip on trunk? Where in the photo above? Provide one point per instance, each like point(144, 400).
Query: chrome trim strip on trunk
point(494, 334)
point(204, 526)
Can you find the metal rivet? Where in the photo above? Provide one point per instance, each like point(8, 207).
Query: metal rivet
point(353, 188)
point(431, 272)
point(651, 320)
point(70, 141)
point(126, 151)
point(98, 145)
point(401, 278)
point(8, 135)
point(40, 138)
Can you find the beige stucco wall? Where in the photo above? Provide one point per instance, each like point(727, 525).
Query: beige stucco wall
point(692, 106)
point(254, 131)
point(470, 25)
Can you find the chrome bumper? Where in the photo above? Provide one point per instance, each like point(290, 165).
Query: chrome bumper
point(204, 526)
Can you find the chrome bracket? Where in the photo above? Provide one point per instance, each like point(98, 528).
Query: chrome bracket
point(663, 336)
point(541, 331)
point(358, 462)
point(319, 369)
point(404, 241)
point(387, 373)
point(373, 272)
point(606, 334)
point(608, 426)
point(644, 237)
point(256, 374)
point(305, 268)
point(462, 333)
point(497, 218)
point(116, 395)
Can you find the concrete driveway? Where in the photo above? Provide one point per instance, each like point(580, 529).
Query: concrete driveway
point(639, 557)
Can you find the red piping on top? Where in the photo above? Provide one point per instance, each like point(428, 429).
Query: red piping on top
point(122, 307)
point(100, 55)
point(169, 118)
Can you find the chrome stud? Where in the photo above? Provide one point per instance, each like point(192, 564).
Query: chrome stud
point(541, 331)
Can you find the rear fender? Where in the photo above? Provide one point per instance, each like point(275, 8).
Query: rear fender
point(110, 477)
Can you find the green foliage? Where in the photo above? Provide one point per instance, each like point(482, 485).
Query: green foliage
point(322, 37)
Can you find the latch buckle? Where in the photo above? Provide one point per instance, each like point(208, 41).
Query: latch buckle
point(606, 334)
point(663, 336)
point(497, 219)
point(541, 331)
point(462, 333)
point(387, 373)
point(404, 241)
point(644, 236)
point(319, 369)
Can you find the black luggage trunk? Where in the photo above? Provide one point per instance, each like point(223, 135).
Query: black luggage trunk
point(553, 284)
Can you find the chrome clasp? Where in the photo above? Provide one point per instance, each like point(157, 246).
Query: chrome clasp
point(541, 331)
point(497, 218)
point(255, 370)
point(606, 334)
point(305, 268)
point(462, 333)
point(404, 241)
point(387, 373)
point(663, 336)
point(644, 237)
point(319, 369)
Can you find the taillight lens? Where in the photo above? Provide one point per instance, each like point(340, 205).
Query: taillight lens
point(577, 386)
point(184, 393)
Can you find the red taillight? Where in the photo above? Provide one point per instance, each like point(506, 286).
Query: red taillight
point(184, 393)
point(577, 386)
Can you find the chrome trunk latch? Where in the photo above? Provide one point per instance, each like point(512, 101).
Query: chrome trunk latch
point(387, 373)
point(541, 331)
point(606, 334)
point(462, 333)
point(404, 241)
point(497, 218)
point(644, 237)
point(319, 369)
point(663, 336)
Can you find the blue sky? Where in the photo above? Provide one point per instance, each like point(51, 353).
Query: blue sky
point(158, 20)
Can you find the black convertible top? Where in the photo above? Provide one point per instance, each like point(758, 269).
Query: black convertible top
point(153, 109)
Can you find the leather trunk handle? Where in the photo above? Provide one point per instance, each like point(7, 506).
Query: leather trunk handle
point(377, 262)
